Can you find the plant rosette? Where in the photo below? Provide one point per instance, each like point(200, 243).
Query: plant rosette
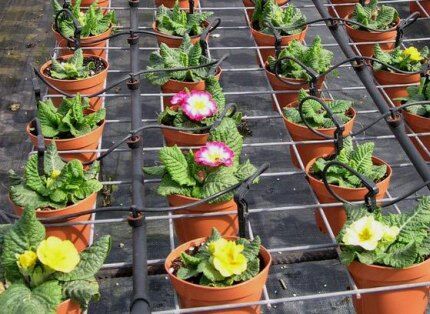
point(44, 274)
point(63, 188)
point(342, 10)
point(316, 117)
point(72, 126)
point(183, 4)
point(384, 18)
point(187, 177)
point(423, 7)
point(282, 18)
point(218, 271)
point(77, 73)
point(251, 4)
point(96, 26)
point(172, 24)
point(314, 56)
point(344, 183)
point(409, 59)
point(388, 249)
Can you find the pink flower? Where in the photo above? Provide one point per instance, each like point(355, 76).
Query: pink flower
point(179, 98)
point(214, 154)
point(199, 105)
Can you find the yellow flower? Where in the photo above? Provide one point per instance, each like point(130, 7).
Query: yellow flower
point(227, 257)
point(27, 260)
point(413, 54)
point(57, 254)
point(365, 232)
point(390, 234)
point(55, 173)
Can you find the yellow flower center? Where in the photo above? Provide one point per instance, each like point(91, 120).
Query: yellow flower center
point(227, 257)
point(27, 260)
point(199, 105)
point(55, 173)
point(57, 254)
point(413, 54)
point(365, 234)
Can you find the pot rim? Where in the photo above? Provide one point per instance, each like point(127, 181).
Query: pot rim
point(394, 73)
point(105, 33)
point(389, 267)
point(348, 17)
point(305, 29)
point(415, 115)
point(263, 251)
point(303, 81)
point(155, 29)
point(86, 55)
point(217, 73)
point(188, 198)
point(186, 132)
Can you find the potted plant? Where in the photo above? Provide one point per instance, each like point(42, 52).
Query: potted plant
point(194, 109)
point(318, 118)
point(104, 4)
point(284, 19)
point(251, 4)
point(385, 250)
point(46, 274)
point(72, 126)
point(342, 7)
point(418, 117)
point(183, 4)
point(190, 176)
point(344, 183)
point(422, 6)
point(409, 59)
point(218, 271)
point(77, 73)
point(381, 18)
point(314, 56)
point(176, 81)
point(62, 188)
point(173, 24)
point(96, 27)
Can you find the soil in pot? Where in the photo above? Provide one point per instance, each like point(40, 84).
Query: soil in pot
point(336, 216)
point(409, 301)
point(69, 307)
point(343, 10)
point(79, 235)
point(419, 124)
point(85, 86)
point(391, 78)
point(89, 141)
point(193, 295)
point(299, 132)
point(174, 41)
point(188, 229)
point(385, 39)
point(423, 8)
point(184, 4)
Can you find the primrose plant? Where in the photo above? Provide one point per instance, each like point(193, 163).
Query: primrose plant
point(393, 240)
point(373, 16)
point(419, 93)
point(410, 59)
point(38, 273)
point(178, 22)
point(93, 22)
point(74, 68)
point(61, 184)
point(211, 169)
point(284, 19)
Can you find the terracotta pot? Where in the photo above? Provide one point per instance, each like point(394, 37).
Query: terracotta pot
point(250, 4)
point(69, 307)
point(366, 50)
point(419, 124)
point(85, 43)
point(390, 78)
point(86, 86)
point(262, 39)
point(414, 7)
point(100, 3)
point(188, 229)
point(408, 301)
point(193, 295)
point(89, 141)
point(174, 86)
point(343, 10)
point(79, 235)
point(278, 85)
point(174, 41)
point(336, 216)
point(183, 4)
point(184, 139)
point(300, 132)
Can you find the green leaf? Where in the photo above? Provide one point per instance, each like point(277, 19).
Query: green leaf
point(155, 170)
point(209, 271)
point(187, 273)
point(82, 291)
point(190, 260)
point(169, 187)
point(215, 235)
point(219, 181)
point(245, 170)
point(52, 160)
point(176, 165)
point(252, 270)
point(251, 248)
point(227, 133)
point(401, 256)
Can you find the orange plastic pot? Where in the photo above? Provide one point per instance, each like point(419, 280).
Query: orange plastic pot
point(100, 3)
point(79, 235)
point(86, 86)
point(419, 124)
point(96, 49)
point(308, 152)
point(336, 216)
point(69, 307)
point(425, 4)
point(173, 41)
point(293, 90)
point(408, 301)
point(183, 4)
point(174, 86)
point(89, 141)
point(184, 139)
point(391, 78)
point(262, 40)
point(359, 36)
point(193, 295)
point(343, 10)
point(188, 229)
